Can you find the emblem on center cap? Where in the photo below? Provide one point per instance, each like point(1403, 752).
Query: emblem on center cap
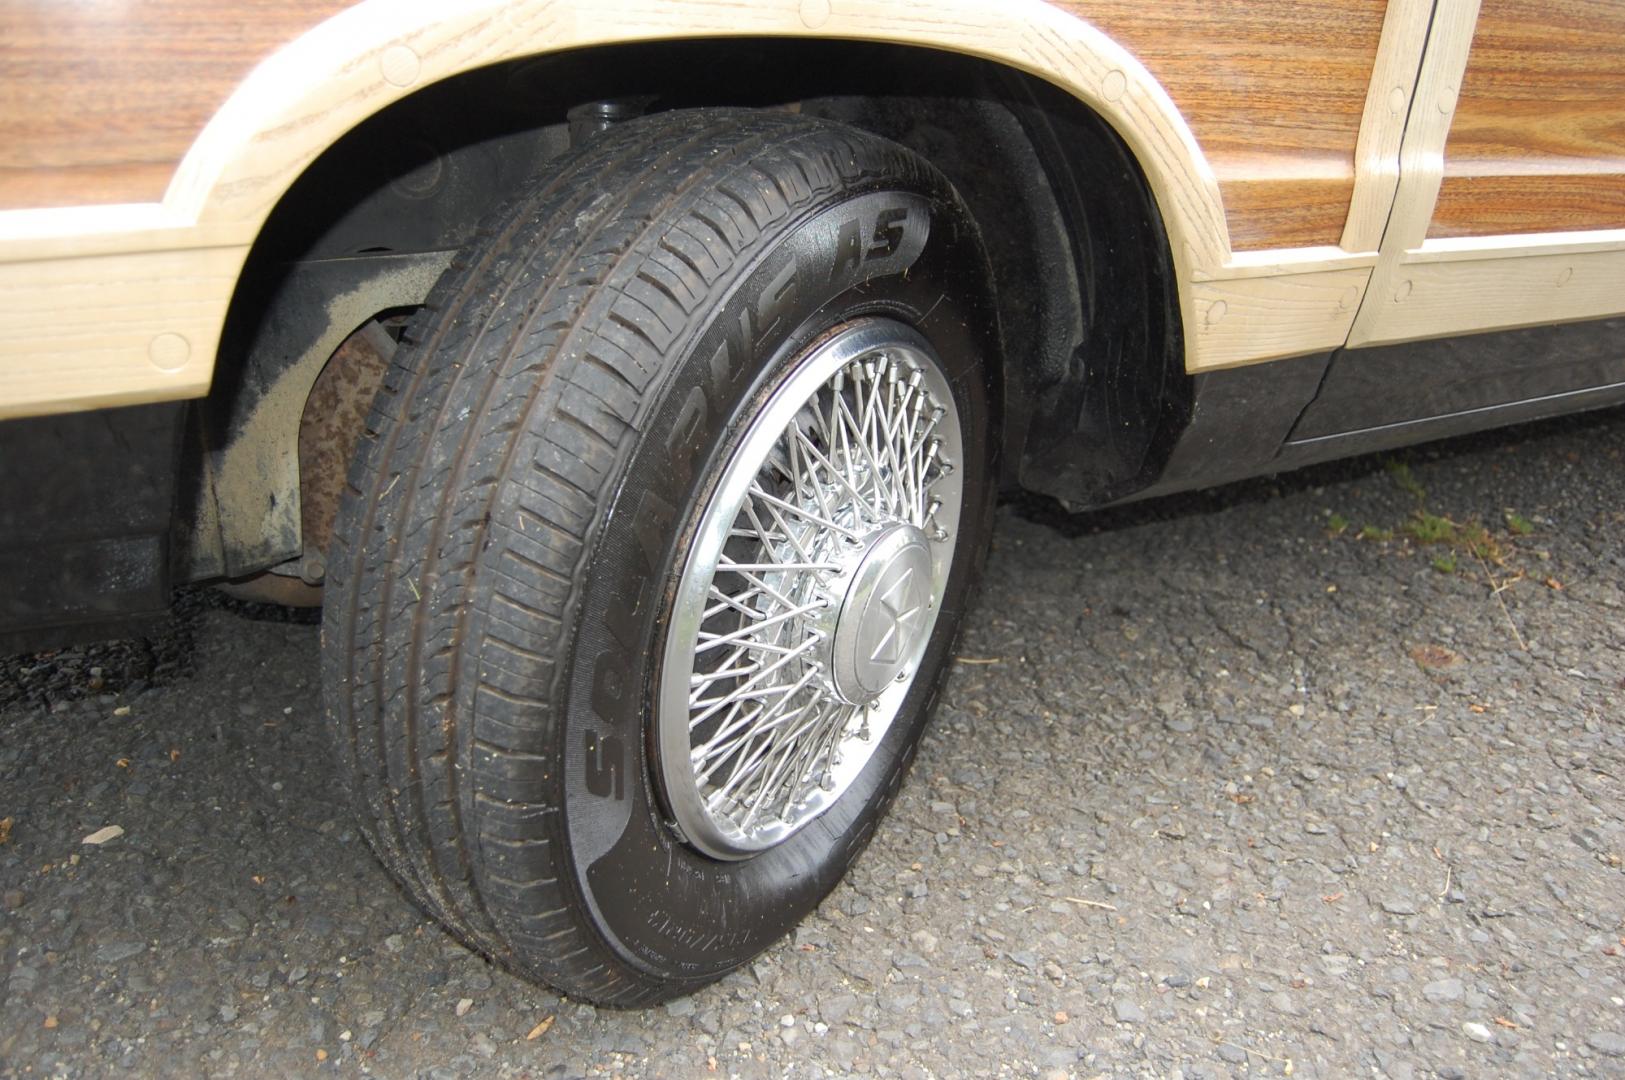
point(887, 606)
point(898, 615)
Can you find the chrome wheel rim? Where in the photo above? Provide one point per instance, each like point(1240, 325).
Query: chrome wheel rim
point(811, 590)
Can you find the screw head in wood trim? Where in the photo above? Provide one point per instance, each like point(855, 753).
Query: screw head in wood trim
point(400, 65)
point(814, 13)
point(169, 352)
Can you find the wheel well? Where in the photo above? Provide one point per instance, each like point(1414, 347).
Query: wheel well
point(1094, 383)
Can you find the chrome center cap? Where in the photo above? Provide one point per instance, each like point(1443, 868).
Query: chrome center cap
point(882, 621)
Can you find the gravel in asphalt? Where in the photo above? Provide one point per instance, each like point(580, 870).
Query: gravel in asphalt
point(1250, 782)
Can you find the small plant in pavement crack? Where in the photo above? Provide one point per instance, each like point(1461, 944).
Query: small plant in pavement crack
point(1424, 528)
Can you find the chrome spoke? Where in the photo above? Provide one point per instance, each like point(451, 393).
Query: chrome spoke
point(711, 641)
point(708, 706)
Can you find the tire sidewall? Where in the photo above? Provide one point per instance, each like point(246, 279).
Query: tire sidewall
point(663, 907)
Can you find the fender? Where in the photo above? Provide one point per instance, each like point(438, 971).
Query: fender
point(110, 305)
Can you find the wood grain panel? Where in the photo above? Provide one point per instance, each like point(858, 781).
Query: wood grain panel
point(99, 101)
point(1285, 212)
point(1538, 143)
point(1274, 94)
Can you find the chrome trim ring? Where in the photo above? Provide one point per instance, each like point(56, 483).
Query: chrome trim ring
point(810, 591)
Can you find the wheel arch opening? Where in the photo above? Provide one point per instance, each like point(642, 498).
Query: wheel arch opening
point(1087, 296)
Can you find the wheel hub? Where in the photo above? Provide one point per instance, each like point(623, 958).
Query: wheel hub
point(874, 629)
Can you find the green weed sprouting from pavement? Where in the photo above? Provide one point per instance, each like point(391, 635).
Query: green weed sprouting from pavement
point(1471, 538)
point(1427, 529)
point(1481, 542)
point(1401, 473)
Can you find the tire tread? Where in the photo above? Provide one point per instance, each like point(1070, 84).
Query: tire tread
point(479, 494)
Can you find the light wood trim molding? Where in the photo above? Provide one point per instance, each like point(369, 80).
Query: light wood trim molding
point(1248, 319)
point(1466, 285)
point(111, 329)
point(1286, 261)
point(1421, 160)
point(1273, 94)
point(1478, 249)
point(299, 100)
point(1382, 128)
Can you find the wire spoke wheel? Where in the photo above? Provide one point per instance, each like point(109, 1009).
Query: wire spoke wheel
point(810, 592)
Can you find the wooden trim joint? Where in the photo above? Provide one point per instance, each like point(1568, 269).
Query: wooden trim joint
point(1424, 288)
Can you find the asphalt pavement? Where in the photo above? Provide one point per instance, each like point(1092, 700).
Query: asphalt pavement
point(1319, 776)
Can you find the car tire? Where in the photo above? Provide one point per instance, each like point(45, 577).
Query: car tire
point(544, 488)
